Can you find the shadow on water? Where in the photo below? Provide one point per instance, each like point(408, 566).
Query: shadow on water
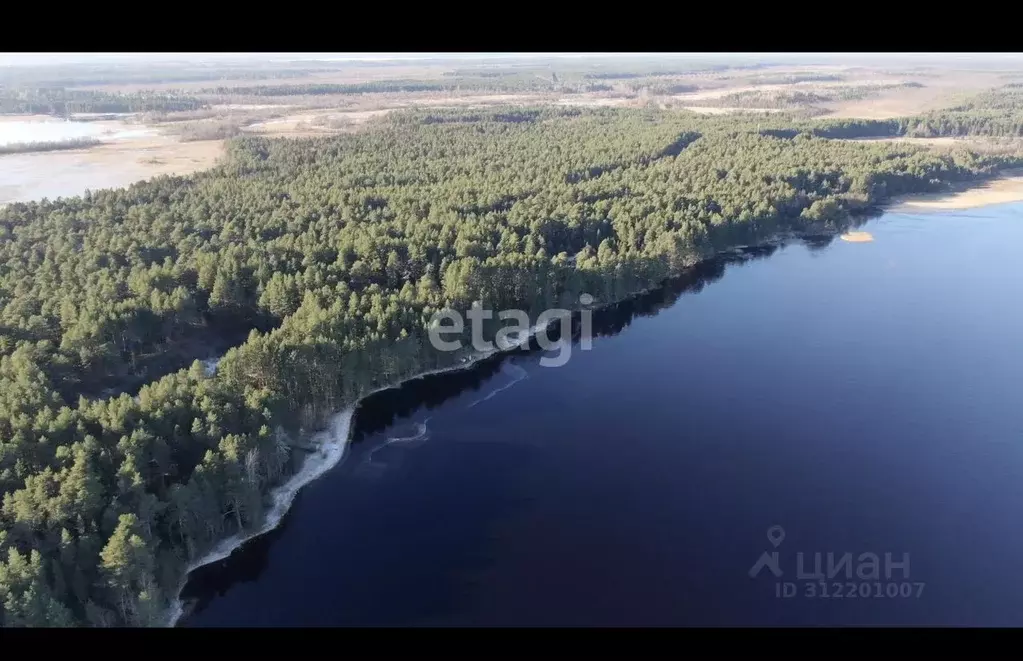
point(243, 566)
point(817, 244)
point(380, 411)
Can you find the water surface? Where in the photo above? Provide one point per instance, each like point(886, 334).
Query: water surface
point(865, 397)
point(52, 129)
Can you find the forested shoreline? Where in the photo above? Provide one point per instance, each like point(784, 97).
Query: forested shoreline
point(323, 260)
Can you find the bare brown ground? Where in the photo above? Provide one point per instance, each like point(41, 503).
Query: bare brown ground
point(599, 101)
point(161, 156)
point(888, 105)
point(942, 88)
point(939, 91)
point(307, 124)
point(711, 94)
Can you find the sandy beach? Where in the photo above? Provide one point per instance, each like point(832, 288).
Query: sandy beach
point(997, 191)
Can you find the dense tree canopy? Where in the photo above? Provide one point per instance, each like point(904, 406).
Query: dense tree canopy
point(122, 457)
point(995, 113)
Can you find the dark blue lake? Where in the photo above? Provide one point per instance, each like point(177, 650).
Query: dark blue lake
point(867, 398)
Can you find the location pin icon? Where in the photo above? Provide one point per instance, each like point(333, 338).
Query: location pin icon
point(775, 535)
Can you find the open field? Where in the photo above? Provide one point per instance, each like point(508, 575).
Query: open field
point(34, 176)
point(300, 103)
point(937, 92)
point(884, 93)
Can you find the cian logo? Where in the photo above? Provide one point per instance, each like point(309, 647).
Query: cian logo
point(769, 559)
point(838, 575)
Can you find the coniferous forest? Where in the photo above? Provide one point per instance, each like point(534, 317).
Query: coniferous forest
point(313, 267)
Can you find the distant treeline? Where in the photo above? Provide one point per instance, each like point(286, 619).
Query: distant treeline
point(631, 75)
point(583, 72)
point(489, 73)
point(791, 78)
point(539, 80)
point(81, 75)
point(798, 98)
point(663, 88)
point(517, 82)
point(55, 145)
point(769, 99)
point(63, 102)
point(857, 92)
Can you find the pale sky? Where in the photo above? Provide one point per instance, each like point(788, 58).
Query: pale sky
point(65, 58)
point(16, 59)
